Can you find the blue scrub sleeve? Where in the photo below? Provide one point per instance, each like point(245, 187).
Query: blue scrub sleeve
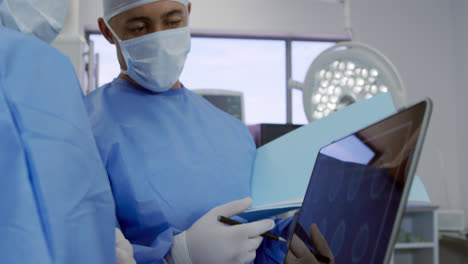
point(56, 204)
point(157, 251)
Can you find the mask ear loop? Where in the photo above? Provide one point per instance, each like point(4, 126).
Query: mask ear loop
point(188, 15)
point(188, 18)
point(112, 31)
point(120, 44)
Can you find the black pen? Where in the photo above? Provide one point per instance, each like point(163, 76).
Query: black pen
point(269, 235)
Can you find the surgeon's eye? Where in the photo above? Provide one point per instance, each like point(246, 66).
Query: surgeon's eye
point(174, 23)
point(137, 30)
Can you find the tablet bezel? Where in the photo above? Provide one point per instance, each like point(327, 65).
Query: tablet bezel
point(408, 181)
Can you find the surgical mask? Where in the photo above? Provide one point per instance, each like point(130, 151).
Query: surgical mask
point(42, 18)
point(155, 61)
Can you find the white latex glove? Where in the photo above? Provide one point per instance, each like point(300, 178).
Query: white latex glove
point(123, 249)
point(211, 242)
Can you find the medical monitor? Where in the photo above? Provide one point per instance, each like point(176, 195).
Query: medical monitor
point(359, 186)
point(231, 102)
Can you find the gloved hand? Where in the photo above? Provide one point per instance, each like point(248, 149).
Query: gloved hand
point(299, 253)
point(211, 242)
point(123, 249)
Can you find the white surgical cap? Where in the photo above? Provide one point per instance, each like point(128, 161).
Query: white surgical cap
point(115, 7)
point(44, 18)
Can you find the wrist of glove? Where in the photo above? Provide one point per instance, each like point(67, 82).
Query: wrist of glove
point(123, 249)
point(208, 241)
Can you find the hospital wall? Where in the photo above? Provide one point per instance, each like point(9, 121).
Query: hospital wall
point(461, 55)
point(425, 39)
point(418, 36)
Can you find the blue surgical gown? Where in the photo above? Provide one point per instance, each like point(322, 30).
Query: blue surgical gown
point(170, 157)
point(56, 204)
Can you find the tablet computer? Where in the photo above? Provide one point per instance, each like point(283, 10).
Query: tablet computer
point(359, 187)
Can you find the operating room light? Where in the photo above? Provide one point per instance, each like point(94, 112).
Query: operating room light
point(344, 74)
point(347, 73)
point(353, 78)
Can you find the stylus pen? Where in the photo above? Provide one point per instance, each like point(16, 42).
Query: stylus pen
point(269, 235)
point(229, 221)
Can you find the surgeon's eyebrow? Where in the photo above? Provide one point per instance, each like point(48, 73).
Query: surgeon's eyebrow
point(171, 13)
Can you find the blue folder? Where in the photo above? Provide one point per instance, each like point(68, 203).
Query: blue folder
point(283, 167)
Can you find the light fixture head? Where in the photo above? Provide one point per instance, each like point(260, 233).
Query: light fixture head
point(346, 73)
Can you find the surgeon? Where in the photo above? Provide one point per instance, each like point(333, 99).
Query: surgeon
point(56, 204)
point(175, 161)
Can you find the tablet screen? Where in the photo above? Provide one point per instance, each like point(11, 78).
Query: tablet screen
point(356, 187)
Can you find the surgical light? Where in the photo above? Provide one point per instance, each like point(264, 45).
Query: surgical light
point(344, 74)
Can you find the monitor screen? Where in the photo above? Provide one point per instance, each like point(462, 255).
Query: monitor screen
point(230, 104)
